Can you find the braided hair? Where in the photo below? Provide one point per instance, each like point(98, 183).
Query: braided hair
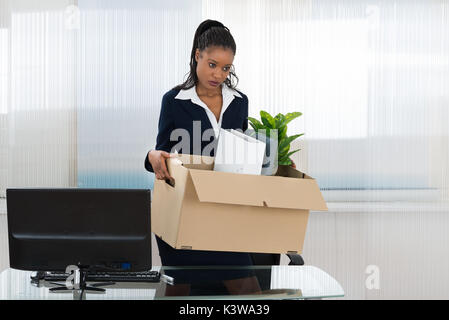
point(210, 33)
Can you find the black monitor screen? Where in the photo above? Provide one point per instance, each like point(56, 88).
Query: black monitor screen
point(50, 229)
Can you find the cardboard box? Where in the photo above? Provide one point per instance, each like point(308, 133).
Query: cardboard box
point(220, 211)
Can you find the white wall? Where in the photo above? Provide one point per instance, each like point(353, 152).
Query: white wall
point(4, 259)
point(408, 242)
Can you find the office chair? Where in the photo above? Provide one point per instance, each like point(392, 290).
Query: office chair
point(267, 259)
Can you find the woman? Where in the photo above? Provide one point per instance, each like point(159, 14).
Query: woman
point(207, 100)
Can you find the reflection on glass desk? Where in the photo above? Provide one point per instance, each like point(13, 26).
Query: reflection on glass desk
point(211, 283)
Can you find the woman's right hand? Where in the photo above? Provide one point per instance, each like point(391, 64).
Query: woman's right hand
point(157, 159)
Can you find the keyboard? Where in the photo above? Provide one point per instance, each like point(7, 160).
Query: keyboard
point(108, 276)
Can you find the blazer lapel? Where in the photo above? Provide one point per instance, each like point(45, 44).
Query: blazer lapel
point(196, 112)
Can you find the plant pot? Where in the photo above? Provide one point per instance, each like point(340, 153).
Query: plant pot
point(282, 170)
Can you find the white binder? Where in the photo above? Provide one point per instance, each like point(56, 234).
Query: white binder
point(238, 153)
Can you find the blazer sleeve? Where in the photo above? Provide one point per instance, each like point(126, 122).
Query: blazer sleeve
point(245, 113)
point(165, 127)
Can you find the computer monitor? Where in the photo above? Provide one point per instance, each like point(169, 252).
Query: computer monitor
point(103, 229)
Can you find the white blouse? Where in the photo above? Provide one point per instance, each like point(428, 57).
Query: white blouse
point(228, 95)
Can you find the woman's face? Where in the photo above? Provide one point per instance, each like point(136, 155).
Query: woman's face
point(213, 66)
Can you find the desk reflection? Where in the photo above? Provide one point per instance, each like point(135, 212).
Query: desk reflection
point(216, 281)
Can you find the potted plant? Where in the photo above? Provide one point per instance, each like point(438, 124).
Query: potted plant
point(270, 125)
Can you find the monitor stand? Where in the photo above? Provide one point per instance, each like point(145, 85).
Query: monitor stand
point(37, 278)
point(83, 270)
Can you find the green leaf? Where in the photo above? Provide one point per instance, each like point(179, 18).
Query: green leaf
point(286, 141)
point(279, 120)
point(287, 162)
point(287, 156)
point(282, 153)
point(279, 123)
point(267, 119)
point(292, 115)
point(283, 122)
point(254, 121)
point(282, 133)
point(255, 124)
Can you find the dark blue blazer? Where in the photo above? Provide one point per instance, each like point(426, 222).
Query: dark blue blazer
point(176, 113)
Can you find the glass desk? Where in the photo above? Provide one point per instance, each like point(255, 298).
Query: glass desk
point(209, 283)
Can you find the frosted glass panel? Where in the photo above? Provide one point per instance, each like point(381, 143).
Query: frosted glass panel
point(81, 87)
point(370, 77)
point(130, 54)
point(39, 117)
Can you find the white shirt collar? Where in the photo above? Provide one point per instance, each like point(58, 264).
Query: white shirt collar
point(190, 94)
point(228, 96)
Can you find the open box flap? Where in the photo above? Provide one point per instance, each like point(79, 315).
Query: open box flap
point(255, 190)
point(192, 161)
